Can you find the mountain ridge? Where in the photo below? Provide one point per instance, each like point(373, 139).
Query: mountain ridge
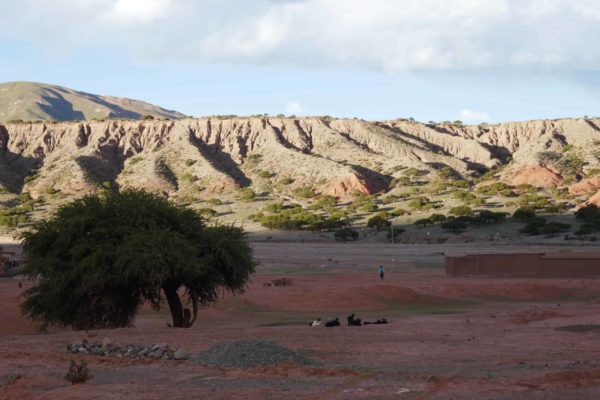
point(307, 149)
point(33, 101)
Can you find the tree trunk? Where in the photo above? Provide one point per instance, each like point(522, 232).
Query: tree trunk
point(175, 306)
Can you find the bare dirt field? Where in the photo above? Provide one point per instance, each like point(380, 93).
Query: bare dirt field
point(448, 338)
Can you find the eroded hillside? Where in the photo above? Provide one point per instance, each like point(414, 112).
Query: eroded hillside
point(192, 160)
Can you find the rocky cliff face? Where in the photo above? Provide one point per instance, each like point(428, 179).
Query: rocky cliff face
point(334, 156)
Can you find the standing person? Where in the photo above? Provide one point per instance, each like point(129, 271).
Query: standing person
point(381, 272)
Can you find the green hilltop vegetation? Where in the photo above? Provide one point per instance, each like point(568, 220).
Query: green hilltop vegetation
point(30, 101)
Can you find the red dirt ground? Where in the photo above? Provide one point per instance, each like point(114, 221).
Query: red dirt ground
point(449, 338)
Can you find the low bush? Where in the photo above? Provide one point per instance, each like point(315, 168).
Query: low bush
point(379, 223)
point(524, 214)
point(346, 235)
point(246, 194)
point(78, 373)
point(306, 192)
point(461, 211)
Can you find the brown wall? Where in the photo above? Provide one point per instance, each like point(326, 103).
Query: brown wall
point(525, 265)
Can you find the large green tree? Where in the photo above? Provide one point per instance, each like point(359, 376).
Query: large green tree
point(101, 257)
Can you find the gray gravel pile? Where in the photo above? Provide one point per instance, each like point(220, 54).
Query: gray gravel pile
point(109, 349)
point(249, 353)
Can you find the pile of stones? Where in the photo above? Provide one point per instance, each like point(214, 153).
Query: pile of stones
point(249, 353)
point(109, 349)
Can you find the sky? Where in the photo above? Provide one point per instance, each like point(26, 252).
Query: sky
point(432, 60)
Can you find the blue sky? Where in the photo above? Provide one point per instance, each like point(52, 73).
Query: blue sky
point(475, 60)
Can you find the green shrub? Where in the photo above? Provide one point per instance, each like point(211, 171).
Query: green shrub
point(189, 162)
point(397, 212)
point(437, 218)
point(411, 172)
point(455, 226)
point(252, 160)
point(422, 223)
point(265, 174)
point(464, 211)
point(338, 214)
point(274, 207)
point(369, 207)
point(488, 217)
point(526, 188)
point(533, 200)
point(534, 226)
point(324, 202)
point(206, 212)
point(508, 193)
point(51, 191)
point(390, 198)
point(463, 196)
point(447, 173)
point(286, 180)
point(552, 229)
point(419, 203)
point(246, 194)
point(188, 178)
point(492, 189)
point(400, 182)
point(524, 214)
point(378, 222)
point(346, 235)
point(214, 202)
point(306, 192)
point(460, 183)
point(476, 202)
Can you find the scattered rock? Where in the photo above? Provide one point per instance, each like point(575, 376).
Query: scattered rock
point(107, 348)
point(180, 355)
point(249, 353)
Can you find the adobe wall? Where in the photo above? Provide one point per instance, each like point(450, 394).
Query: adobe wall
point(563, 265)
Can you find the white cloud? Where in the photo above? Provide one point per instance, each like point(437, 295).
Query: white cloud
point(145, 11)
point(393, 36)
point(294, 108)
point(471, 116)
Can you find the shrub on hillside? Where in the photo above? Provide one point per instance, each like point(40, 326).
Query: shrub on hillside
point(455, 225)
point(246, 194)
point(420, 203)
point(397, 212)
point(346, 235)
point(461, 211)
point(524, 214)
point(379, 223)
point(369, 207)
point(306, 192)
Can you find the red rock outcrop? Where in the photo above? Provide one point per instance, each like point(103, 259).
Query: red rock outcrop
point(535, 175)
point(586, 186)
point(350, 184)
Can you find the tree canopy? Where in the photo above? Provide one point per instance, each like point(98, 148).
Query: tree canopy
point(101, 257)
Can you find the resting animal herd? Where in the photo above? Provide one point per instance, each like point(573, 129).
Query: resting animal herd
point(352, 321)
